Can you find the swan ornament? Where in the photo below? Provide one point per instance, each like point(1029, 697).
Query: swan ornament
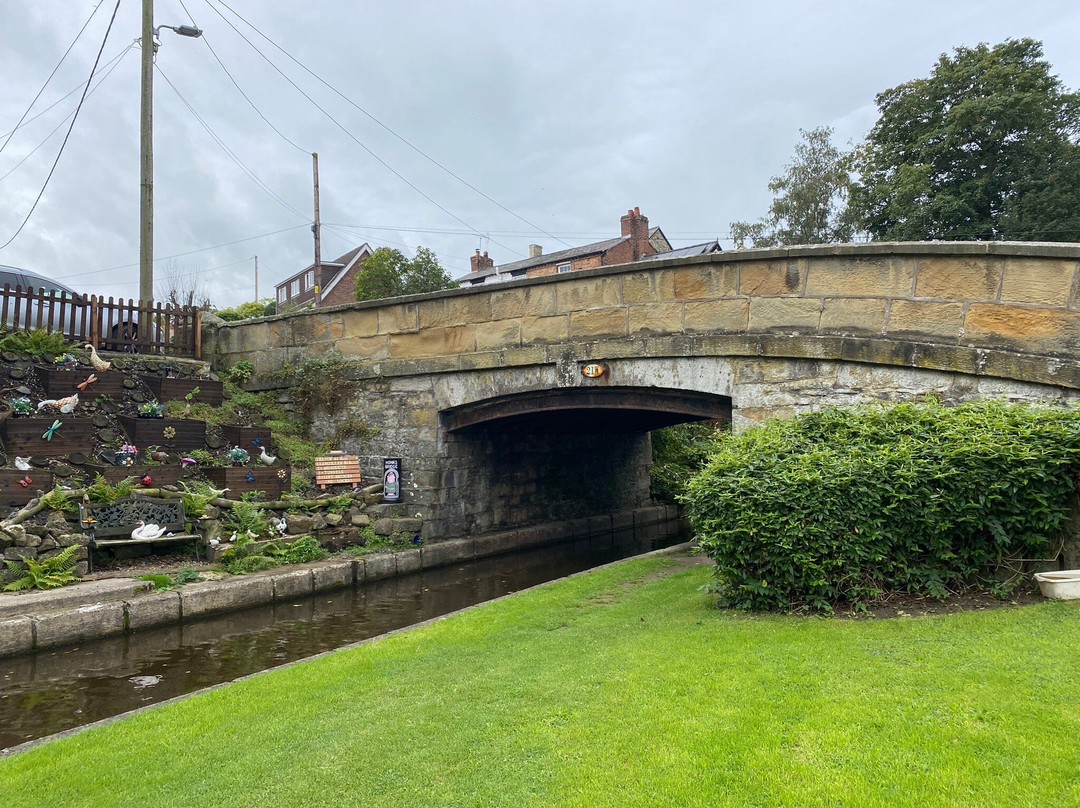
point(147, 532)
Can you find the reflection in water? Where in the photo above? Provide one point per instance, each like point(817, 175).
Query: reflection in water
point(58, 689)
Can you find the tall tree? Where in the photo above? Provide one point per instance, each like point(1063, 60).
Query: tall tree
point(984, 148)
point(388, 273)
point(809, 199)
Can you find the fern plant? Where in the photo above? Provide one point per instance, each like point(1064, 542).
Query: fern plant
point(51, 573)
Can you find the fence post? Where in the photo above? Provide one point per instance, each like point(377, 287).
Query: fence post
point(95, 336)
point(197, 326)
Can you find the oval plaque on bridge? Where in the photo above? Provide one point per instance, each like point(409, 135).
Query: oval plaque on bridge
point(594, 370)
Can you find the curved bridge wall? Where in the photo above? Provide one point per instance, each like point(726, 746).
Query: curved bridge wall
point(777, 331)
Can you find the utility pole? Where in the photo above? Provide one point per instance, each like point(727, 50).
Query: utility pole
point(149, 46)
point(146, 170)
point(256, 279)
point(315, 228)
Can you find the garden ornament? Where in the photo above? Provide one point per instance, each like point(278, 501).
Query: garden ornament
point(86, 382)
point(48, 434)
point(146, 532)
point(267, 459)
point(96, 362)
point(22, 463)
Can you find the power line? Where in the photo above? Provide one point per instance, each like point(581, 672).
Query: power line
point(110, 68)
point(231, 155)
point(415, 148)
point(65, 96)
point(240, 89)
point(74, 118)
point(53, 73)
point(347, 133)
point(184, 254)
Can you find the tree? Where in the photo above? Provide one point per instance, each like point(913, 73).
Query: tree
point(244, 311)
point(985, 148)
point(182, 286)
point(809, 199)
point(388, 273)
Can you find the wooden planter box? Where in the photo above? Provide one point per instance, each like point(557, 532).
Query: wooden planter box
point(235, 478)
point(169, 474)
point(11, 493)
point(22, 436)
point(59, 382)
point(210, 392)
point(145, 432)
point(245, 437)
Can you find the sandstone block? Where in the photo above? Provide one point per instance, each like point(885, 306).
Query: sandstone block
point(705, 281)
point(886, 276)
point(408, 525)
point(158, 609)
point(587, 293)
point(16, 636)
point(293, 584)
point(396, 319)
point(19, 553)
point(538, 301)
point(1023, 328)
point(784, 314)
point(782, 277)
point(610, 322)
point(847, 315)
point(360, 322)
point(334, 519)
point(545, 329)
point(224, 596)
point(918, 318)
point(959, 277)
point(498, 334)
point(716, 315)
point(1037, 280)
point(364, 347)
point(447, 311)
point(384, 527)
point(649, 287)
point(655, 318)
point(82, 623)
point(298, 523)
point(433, 342)
point(332, 575)
point(361, 519)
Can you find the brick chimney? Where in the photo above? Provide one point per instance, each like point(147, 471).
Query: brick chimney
point(480, 262)
point(637, 227)
point(535, 250)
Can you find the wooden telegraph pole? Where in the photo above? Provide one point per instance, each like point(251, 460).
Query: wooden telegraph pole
point(256, 279)
point(315, 229)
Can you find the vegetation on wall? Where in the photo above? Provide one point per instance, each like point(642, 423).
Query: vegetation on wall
point(679, 452)
point(843, 505)
point(245, 311)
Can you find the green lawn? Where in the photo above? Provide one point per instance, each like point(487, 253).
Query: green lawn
point(622, 687)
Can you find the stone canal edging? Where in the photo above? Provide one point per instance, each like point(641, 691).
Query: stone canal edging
point(100, 610)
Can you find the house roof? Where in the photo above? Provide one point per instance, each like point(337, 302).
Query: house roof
point(341, 264)
point(348, 260)
point(684, 252)
point(516, 267)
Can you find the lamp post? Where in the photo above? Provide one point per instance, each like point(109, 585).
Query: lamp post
point(146, 143)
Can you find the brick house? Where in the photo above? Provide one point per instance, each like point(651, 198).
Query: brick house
point(637, 241)
point(338, 282)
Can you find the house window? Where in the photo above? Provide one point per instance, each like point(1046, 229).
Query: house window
point(564, 268)
point(281, 295)
point(294, 290)
point(309, 279)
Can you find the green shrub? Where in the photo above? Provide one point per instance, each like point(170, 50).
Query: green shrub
point(51, 573)
point(678, 453)
point(36, 341)
point(841, 505)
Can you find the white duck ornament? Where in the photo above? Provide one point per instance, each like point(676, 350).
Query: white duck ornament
point(22, 463)
point(267, 459)
point(65, 405)
point(145, 532)
point(96, 362)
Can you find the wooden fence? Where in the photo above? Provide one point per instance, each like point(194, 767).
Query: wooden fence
point(130, 327)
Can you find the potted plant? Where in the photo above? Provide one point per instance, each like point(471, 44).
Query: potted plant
point(125, 455)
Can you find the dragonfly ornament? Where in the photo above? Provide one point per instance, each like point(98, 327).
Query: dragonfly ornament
point(48, 435)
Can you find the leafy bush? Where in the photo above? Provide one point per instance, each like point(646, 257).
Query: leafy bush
point(51, 573)
point(845, 504)
point(678, 453)
point(36, 341)
point(247, 556)
point(239, 372)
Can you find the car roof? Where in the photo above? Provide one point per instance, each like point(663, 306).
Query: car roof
point(36, 276)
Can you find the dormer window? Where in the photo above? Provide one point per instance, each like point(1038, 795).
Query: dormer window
point(563, 268)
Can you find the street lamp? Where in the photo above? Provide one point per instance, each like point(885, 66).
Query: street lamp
point(146, 142)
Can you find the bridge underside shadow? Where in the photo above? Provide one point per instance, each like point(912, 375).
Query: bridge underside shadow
point(559, 454)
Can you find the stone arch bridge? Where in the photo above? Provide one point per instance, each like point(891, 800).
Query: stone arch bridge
point(486, 393)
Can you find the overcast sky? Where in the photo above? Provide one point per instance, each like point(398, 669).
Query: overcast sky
point(566, 114)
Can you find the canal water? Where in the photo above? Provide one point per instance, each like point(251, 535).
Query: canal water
point(62, 688)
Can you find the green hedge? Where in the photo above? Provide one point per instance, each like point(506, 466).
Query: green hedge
point(842, 505)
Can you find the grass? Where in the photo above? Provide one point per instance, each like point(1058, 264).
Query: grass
point(622, 687)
